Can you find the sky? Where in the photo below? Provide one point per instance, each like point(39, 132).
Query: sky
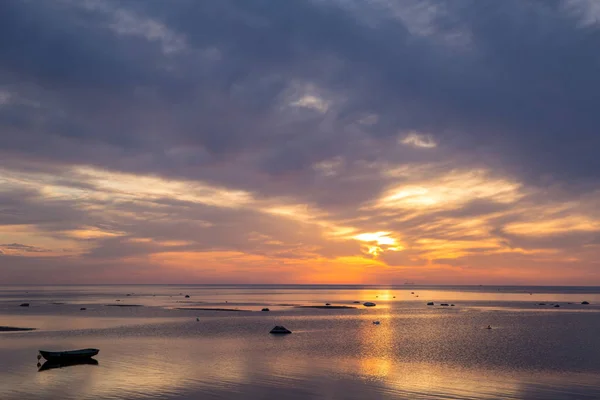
point(300, 141)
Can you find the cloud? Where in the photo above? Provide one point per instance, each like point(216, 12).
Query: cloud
point(141, 132)
point(21, 248)
point(418, 140)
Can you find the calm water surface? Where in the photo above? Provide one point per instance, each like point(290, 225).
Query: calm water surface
point(158, 350)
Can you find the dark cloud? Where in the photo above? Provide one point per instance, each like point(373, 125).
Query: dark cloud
point(23, 248)
point(527, 91)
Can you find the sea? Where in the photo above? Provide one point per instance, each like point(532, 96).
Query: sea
point(213, 342)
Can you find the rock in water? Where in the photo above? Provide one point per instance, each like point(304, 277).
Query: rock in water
point(280, 330)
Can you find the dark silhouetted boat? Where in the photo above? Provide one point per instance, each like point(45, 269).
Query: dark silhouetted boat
point(69, 356)
point(63, 364)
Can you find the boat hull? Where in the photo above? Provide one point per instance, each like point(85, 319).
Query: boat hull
point(67, 356)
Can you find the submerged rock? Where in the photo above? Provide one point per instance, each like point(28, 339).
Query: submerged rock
point(444, 304)
point(280, 330)
point(187, 296)
point(24, 305)
point(556, 306)
point(585, 302)
point(327, 304)
point(430, 303)
point(14, 329)
point(369, 304)
point(82, 309)
point(265, 309)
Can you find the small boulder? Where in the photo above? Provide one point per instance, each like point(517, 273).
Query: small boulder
point(187, 296)
point(451, 305)
point(585, 302)
point(82, 309)
point(444, 304)
point(430, 303)
point(327, 304)
point(265, 309)
point(24, 305)
point(556, 306)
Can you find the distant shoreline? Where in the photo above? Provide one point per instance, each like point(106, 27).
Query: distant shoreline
point(307, 285)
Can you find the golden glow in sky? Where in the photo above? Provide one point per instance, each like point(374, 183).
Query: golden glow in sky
point(418, 227)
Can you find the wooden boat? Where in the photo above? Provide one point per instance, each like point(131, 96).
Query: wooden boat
point(72, 355)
